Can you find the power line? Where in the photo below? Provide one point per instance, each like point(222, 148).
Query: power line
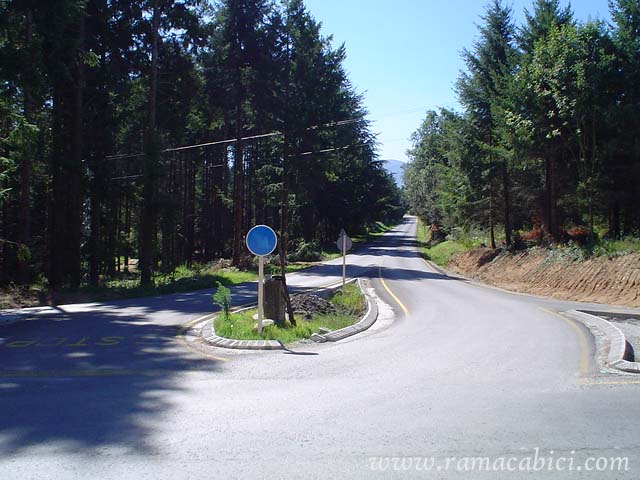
point(220, 142)
point(331, 149)
point(270, 134)
point(126, 177)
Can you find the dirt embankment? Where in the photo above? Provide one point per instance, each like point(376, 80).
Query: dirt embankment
point(599, 279)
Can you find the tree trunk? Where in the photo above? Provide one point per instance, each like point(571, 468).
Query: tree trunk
point(238, 191)
point(550, 193)
point(189, 209)
point(100, 248)
point(26, 164)
point(151, 157)
point(614, 220)
point(77, 153)
point(507, 203)
point(67, 168)
point(284, 224)
point(492, 236)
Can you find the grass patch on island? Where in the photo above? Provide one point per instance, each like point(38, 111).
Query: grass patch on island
point(350, 306)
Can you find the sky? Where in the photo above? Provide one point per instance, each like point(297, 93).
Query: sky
point(404, 55)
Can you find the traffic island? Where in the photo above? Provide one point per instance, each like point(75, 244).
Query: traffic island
point(338, 316)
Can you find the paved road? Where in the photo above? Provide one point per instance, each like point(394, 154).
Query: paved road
point(108, 391)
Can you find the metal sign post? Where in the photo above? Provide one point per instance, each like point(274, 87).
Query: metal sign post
point(344, 244)
point(261, 240)
point(260, 293)
point(344, 261)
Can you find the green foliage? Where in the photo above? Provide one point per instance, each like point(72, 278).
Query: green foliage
point(617, 248)
point(460, 240)
point(571, 252)
point(349, 301)
point(468, 236)
point(305, 252)
point(547, 138)
point(23, 254)
point(95, 95)
point(441, 253)
point(575, 252)
point(7, 166)
point(222, 298)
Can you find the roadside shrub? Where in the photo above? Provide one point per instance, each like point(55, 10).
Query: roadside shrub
point(617, 248)
point(467, 236)
point(517, 242)
point(305, 252)
point(222, 298)
point(570, 252)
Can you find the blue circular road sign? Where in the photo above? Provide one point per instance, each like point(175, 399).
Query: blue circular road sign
point(261, 240)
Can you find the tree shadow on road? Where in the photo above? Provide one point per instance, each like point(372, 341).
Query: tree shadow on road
point(86, 380)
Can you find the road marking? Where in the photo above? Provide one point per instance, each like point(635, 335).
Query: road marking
point(59, 341)
point(621, 382)
point(584, 344)
point(80, 343)
point(20, 343)
point(384, 284)
point(55, 342)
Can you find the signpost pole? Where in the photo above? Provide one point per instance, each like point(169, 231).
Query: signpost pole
point(260, 293)
point(344, 260)
point(261, 240)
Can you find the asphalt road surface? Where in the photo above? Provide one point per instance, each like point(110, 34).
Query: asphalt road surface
point(467, 382)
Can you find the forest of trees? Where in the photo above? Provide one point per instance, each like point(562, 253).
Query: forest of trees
point(105, 105)
point(548, 139)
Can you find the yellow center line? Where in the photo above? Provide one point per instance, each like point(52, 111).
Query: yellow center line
point(584, 344)
point(386, 287)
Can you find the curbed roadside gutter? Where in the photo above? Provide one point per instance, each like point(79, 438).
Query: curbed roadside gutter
point(363, 324)
point(209, 335)
point(614, 357)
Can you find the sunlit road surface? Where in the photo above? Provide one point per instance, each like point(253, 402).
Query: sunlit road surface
point(468, 382)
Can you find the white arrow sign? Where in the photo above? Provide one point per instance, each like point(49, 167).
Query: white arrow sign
point(344, 244)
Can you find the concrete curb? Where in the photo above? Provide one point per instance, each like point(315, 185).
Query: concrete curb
point(617, 341)
point(209, 335)
point(365, 322)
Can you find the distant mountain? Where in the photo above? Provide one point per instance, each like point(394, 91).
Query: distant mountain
point(394, 167)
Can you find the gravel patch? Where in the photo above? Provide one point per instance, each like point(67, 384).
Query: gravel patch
point(309, 304)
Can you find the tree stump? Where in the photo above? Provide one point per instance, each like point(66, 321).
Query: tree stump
point(274, 304)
